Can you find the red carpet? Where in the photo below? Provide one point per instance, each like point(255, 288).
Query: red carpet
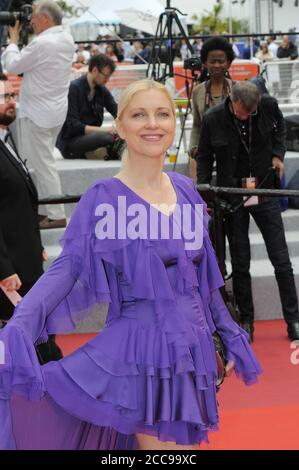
point(263, 416)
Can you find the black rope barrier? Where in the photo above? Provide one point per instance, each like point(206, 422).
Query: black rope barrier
point(202, 188)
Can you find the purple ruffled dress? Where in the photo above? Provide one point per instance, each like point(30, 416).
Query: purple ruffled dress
point(152, 368)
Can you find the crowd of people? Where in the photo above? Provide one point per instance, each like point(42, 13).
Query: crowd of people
point(138, 49)
point(149, 378)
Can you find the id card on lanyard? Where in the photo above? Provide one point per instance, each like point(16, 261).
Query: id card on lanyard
point(249, 182)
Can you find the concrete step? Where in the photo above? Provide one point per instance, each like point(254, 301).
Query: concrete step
point(263, 267)
point(266, 298)
point(291, 164)
point(51, 237)
point(290, 219)
point(258, 249)
point(53, 251)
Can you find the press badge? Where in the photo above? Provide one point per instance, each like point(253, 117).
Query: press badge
point(250, 183)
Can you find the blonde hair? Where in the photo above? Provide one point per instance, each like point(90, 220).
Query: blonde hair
point(136, 87)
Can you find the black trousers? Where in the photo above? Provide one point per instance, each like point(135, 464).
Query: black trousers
point(46, 352)
point(78, 146)
point(267, 216)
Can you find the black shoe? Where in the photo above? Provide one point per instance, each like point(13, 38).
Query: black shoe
point(249, 328)
point(293, 331)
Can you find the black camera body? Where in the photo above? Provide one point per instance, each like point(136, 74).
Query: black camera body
point(8, 18)
point(193, 63)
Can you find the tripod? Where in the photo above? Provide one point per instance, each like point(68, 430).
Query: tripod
point(160, 56)
point(165, 29)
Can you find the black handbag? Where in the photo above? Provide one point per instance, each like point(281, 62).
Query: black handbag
point(221, 359)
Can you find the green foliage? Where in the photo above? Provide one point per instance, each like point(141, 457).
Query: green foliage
point(65, 7)
point(211, 22)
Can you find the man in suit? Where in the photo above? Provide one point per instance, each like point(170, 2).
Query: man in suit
point(21, 251)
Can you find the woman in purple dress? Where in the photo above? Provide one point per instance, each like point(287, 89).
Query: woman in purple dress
point(138, 241)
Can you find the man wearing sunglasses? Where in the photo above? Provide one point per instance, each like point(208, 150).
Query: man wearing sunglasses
point(245, 136)
point(88, 98)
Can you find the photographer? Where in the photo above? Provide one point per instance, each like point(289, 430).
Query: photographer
point(246, 136)
point(46, 64)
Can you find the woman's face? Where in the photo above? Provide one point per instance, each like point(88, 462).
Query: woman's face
point(217, 63)
point(148, 124)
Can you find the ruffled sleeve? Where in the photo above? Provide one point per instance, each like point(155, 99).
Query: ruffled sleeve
point(210, 280)
point(74, 284)
point(234, 338)
point(235, 341)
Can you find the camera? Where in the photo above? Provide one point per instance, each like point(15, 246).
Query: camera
point(193, 63)
point(23, 16)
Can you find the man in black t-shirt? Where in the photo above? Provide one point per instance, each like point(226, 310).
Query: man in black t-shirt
point(88, 97)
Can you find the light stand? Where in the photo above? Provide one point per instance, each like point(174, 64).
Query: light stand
point(164, 29)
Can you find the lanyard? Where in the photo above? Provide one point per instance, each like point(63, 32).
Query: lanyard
point(248, 147)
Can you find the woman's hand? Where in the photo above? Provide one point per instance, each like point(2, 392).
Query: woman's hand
point(278, 165)
point(229, 368)
point(11, 283)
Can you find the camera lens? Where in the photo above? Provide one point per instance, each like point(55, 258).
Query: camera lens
point(7, 18)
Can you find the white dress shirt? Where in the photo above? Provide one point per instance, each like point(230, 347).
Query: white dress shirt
point(272, 47)
point(3, 132)
point(46, 64)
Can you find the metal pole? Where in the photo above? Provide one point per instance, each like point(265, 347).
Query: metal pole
point(270, 15)
point(258, 15)
point(230, 18)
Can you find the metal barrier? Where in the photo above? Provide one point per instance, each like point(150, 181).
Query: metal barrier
point(283, 80)
point(206, 188)
point(202, 188)
point(213, 194)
